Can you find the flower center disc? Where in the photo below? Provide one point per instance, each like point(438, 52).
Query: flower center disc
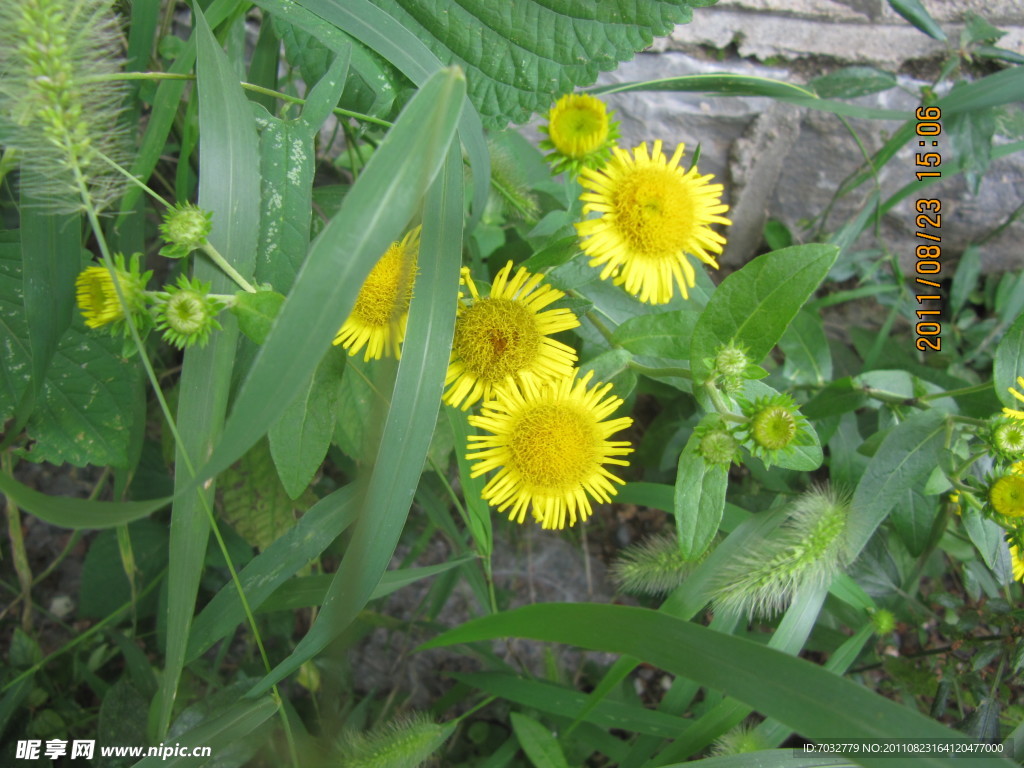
point(387, 292)
point(654, 212)
point(496, 338)
point(554, 446)
point(580, 130)
point(1007, 496)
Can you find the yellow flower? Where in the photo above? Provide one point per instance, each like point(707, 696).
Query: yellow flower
point(97, 296)
point(652, 214)
point(1017, 468)
point(1018, 563)
point(382, 309)
point(549, 443)
point(1007, 496)
point(1020, 396)
point(580, 131)
point(505, 336)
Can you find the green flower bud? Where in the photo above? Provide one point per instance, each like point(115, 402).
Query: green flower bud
point(883, 622)
point(185, 228)
point(1006, 438)
point(775, 425)
point(716, 443)
point(187, 313)
point(731, 360)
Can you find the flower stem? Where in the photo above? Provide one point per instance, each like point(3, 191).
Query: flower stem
point(230, 271)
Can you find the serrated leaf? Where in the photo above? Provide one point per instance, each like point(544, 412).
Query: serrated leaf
point(84, 414)
point(666, 334)
point(16, 372)
point(699, 500)
point(253, 500)
point(755, 305)
point(300, 438)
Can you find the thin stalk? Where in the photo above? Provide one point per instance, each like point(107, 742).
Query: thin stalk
point(229, 270)
point(18, 552)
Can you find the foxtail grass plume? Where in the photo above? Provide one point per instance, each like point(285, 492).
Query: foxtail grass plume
point(56, 109)
point(653, 566)
point(809, 549)
point(740, 740)
point(398, 744)
point(381, 312)
point(510, 186)
point(652, 213)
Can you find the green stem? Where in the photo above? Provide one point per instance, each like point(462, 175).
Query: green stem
point(600, 326)
point(956, 392)
point(229, 270)
point(18, 552)
point(646, 370)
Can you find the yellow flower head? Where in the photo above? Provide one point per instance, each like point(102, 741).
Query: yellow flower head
point(549, 443)
point(580, 131)
point(506, 336)
point(652, 213)
point(1007, 496)
point(382, 309)
point(1020, 396)
point(97, 295)
point(1018, 563)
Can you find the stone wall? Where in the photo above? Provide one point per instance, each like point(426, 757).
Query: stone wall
point(785, 162)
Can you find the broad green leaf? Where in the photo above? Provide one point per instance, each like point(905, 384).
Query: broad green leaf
point(300, 438)
point(754, 306)
point(320, 526)
point(903, 462)
point(914, 12)
point(912, 518)
point(987, 536)
point(104, 586)
point(359, 407)
point(51, 245)
point(612, 366)
point(1009, 364)
point(16, 372)
point(229, 188)
point(380, 204)
point(839, 397)
point(122, 719)
point(851, 82)
point(85, 409)
point(971, 135)
point(72, 513)
point(811, 701)
point(769, 758)
point(667, 334)
point(540, 746)
point(808, 357)
point(395, 471)
point(287, 159)
point(253, 501)
point(256, 312)
point(520, 57)
point(699, 500)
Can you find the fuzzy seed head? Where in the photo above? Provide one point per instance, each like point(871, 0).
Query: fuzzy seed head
point(883, 622)
point(809, 549)
point(399, 744)
point(739, 741)
point(56, 109)
point(652, 567)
